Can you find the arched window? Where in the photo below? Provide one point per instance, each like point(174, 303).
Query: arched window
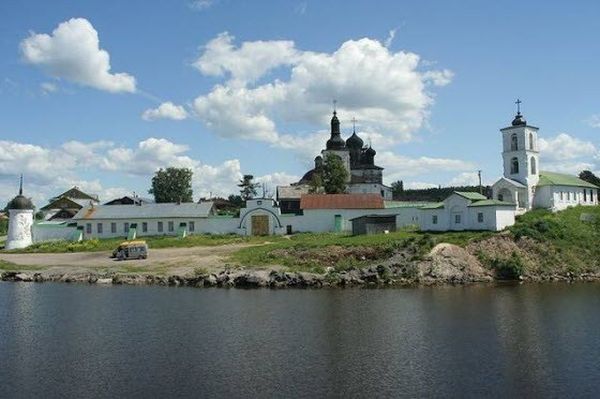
point(533, 166)
point(514, 166)
point(531, 141)
point(514, 142)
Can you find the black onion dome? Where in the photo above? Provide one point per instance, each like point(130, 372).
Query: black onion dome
point(335, 123)
point(336, 143)
point(519, 120)
point(20, 202)
point(371, 152)
point(354, 141)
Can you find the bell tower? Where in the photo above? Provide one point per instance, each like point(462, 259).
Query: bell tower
point(520, 150)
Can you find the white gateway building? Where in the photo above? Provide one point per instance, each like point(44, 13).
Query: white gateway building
point(528, 187)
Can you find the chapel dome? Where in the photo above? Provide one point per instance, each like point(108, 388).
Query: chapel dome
point(519, 120)
point(354, 141)
point(20, 202)
point(371, 152)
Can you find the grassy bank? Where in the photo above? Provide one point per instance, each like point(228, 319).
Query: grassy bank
point(314, 252)
point(153, 242)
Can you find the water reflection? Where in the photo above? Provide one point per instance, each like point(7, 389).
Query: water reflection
point(92, 341)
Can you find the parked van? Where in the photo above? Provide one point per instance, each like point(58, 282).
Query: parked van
point(131, 250)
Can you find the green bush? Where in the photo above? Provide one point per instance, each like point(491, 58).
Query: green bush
point(509, 268)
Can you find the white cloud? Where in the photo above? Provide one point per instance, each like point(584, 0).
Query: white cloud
point(594, 121)
point(399, 167)
point(200, 5)
point(565, 147)
point(73, 52)
point(465, 179)
point(386, 91)
point(390, 38)
point(48, 87)
point(166, 110)
point(244, 64)
point(301, 8)
point(567, 154)
point(416, 185)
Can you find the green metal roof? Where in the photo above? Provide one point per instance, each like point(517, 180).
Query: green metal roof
point(559, 179)
point(471, 195)
point(439, 205)
point(492, 202)
point(405, 204)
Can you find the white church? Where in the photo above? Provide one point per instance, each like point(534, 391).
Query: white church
point(525, 185)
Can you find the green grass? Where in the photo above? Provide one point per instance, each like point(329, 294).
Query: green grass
point(311, 252)
point(575, 244)
point(11, 267)
point(3, 227)
point(109, 244)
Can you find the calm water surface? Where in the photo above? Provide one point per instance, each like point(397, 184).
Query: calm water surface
point(59, 340)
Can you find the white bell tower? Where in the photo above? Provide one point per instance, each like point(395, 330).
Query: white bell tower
point(520, 154)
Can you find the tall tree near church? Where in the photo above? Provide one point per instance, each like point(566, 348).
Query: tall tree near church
point(172, 185)
point(397, 188)
point(590, 177)
point(335, 175)
point(248, 189)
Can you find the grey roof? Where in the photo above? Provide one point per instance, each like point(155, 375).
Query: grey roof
point(291, 192)
point(146, 211)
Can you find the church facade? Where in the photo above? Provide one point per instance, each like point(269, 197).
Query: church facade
point(525, 185)
point(364, 176)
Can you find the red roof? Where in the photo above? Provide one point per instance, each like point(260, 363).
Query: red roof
point(341, 201)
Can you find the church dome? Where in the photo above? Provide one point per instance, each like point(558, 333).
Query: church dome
point(336, 143)
point(371, 152)
point(519, 120)
point(20, 202)
point(354, 141)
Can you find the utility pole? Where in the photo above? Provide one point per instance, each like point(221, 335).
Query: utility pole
point(480, 185)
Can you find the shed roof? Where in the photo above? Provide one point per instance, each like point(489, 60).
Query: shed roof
point(405, 204)
point(375, 217)
point(559, 179)
point(341, 201)
point(146, 211)
point(438, 205)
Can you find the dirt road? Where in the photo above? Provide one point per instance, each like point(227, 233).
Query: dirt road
point(176, 260)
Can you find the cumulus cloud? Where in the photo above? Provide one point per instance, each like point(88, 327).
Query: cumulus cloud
point(72, 52)
point(166, 110)
point(399, 167)
point(594, 121)
point(48, 87)
point(268, 83)
point(51, 170)
point(201, 5)
point(567, 154)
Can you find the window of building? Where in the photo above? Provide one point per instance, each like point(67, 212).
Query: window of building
point(160, 227)
point(533, 166)
point(144, 227)
point(591, 195)
point(456, 219)
point(500, 197)
point(480, 217)
point(568, 196)
point(99, 228)
point(126, 227)
point(434, 219)
point(113, 228)
point(192, 226)
point(562, 196)
point(514, 166)
point(88, 228)
point(531, 145)
point(514, 142)
point(171, 226)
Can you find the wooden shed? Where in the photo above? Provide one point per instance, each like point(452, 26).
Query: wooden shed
point(373, 224)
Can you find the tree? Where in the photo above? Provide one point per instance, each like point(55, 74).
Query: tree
point(590, 177)
point(172, 185)
point(315, 186)
point(236, 200)
point(248, 187)
point(397, 188)
point(335, 175)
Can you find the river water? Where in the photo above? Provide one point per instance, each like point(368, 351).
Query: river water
point(60, 340)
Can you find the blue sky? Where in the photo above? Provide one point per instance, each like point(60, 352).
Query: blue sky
point(249, 87)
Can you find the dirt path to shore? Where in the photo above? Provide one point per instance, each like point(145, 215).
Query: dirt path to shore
point(172, 260)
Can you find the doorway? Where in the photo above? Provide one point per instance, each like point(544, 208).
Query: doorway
point(260, 225)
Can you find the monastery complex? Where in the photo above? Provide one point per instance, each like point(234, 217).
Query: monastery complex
point(366, 207)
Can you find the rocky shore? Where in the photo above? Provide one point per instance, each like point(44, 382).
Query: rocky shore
point(446, 264)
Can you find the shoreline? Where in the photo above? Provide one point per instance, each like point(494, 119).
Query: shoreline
point(371, 277)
